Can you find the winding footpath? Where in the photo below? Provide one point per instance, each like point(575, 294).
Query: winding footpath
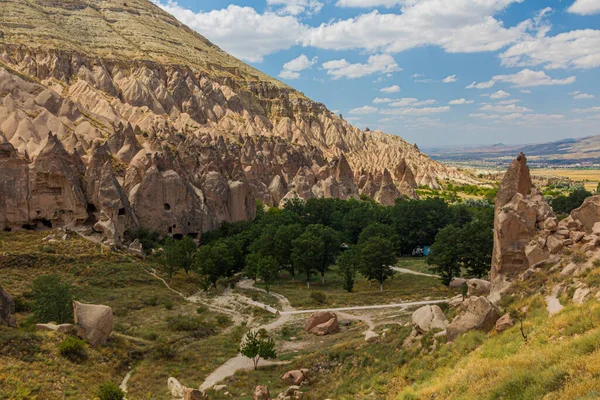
point(239, 362)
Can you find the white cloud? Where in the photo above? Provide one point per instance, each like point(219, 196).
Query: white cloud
point(295, 7)
point(500, 94)
point(379, 100)
point(241, 31)
point(577, 95)
point(500, 108)
point(368, 3)
point(292, 68)
point(521, 119)
point(457, 26)
point(417, 76)
point(391, 89)
point(460, 102)
point(573, 49)
point(585, 7)
point(526, 91)
point(382, 63)
point(415, 111)
point(525, 78)
point(449, 79)
point(588, 110)
point(412, 102)
point(364, 110)
point(505, 102)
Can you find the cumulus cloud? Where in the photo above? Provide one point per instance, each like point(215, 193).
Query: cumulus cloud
point(241, 31)
point(381, 63)
point(577, 95)
point(524, 78)
point(526, 91)
point(295, 7)
point(520, 118)
point(457, 26)
point(368, 3)
point(449, 79)
point(512, 101)
point(292, 68)
point(502, 108)
point(585, 7)
point(379, 100)
point(588, 110)
point(458, 102)
point(500, 94)
point(412, 102)
point(391, 89)
point(364, 110)
point(573, 49)
point(415, 111)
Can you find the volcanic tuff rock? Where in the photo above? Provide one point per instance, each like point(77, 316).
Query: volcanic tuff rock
point(116, 115)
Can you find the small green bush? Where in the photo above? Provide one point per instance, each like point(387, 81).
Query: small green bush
point(73, 349)
point(152, 301)
point(22, 305)
point(185, 323)
point(164, 350)
point(223, 320)
point(110, 391)
point(318, 297)
point(169, 304)
point(202, 309)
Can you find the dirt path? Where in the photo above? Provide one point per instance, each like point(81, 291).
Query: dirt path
point(374, 307)
point(123, 385)
point(410, 271)
point(552, 303)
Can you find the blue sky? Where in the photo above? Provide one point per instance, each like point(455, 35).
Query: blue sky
point(436, 72)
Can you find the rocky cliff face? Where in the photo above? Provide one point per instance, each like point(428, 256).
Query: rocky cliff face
point(115, 115)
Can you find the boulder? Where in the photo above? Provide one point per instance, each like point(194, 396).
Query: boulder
point(94, 322)
point(62, 328)
point(456, 301)
point(7, 309)
point(219, 388)
point(291, 393)
point(322, 323)
point(478, 287)
point(536, 255)
point(295, 377)
point(176, 388)
point(193, 394)
point(504, 322)
point(477, 313)
point(457, 283)
point(429, 317)
point(371, 337)
point(588, 215)
point(261, 392)
point(136, 248)
point(581, 295)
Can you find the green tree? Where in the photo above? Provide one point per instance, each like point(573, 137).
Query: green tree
point(377, 255)
point(214, 261)
point(172, 257)
point(284, 237)
point(308, 252)
point(446, 251)
point(348, 264)
point(263, 267)
point(566, 204)
point(53, 300)
point(257, 345)
point(331, 246)
point(188, 249)
point(476, 246)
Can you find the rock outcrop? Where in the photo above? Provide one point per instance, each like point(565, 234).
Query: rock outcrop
point(322, 323)
point(520, 213)
point(261, 392)
point(97, 133)
point(475, 313)
point(94, 322)
point(7, 309)
point(295, 377)
point(427, 318)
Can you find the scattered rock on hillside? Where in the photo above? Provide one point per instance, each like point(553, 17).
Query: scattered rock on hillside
point(62, 328)
point(371, 337)
point(94, 322)
point(429, 317)
point(291, 393)
point(7, 309)
point(322, 323)
point(504, 322)
point(581, 295)
point(478, 287)
point(176, 388)
point(193, 394)
point(261, 392)
point(136, 248)
point(295, 377)
point(457, 283)
point(477, 313)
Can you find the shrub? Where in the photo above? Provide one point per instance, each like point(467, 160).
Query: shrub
point(110, 391)
point(164, 350)
point(22, 305)
point(186, 323)
point(53, 300)
point(201, 309)
point(169, 304)
point(578, 257)
point(152, 301)
point(73, 349)
point(318, 297)
point(148, 239)
point(223, 320)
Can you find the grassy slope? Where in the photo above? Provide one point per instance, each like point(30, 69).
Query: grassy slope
point(140, 304)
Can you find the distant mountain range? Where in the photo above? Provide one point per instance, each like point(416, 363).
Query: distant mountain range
point(562, 152)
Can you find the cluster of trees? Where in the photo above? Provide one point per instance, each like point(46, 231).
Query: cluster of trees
point(305, 238)
point(565, 204)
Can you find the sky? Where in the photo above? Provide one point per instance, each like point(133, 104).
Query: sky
point(435, 72)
